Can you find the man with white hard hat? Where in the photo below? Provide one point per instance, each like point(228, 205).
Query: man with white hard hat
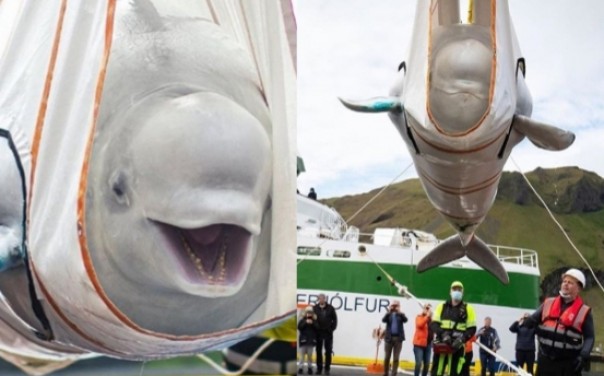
point(565, 329)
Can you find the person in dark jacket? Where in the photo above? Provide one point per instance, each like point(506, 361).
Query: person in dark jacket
point(307, 338)
point(525, 343)
point(328, 322)
point(565, 329)
point(312, 194)
point(487, 335)
point(394, 336)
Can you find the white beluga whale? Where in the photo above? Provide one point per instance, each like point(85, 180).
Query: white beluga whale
point(177, 206)
point(461, 104)
point(11, 208)
point(147, 171)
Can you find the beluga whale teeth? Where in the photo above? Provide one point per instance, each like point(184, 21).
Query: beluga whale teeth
point(211, 255)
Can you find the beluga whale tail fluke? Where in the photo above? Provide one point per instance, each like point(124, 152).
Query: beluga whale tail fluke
point(476, 250)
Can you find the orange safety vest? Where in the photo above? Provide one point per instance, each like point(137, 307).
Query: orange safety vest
point(562, 330)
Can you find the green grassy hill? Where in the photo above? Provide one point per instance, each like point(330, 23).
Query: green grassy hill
point(517, 219)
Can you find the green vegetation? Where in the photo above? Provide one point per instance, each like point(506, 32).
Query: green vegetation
point(517, 219)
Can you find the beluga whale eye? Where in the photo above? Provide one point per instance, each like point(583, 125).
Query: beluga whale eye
point(117, 184)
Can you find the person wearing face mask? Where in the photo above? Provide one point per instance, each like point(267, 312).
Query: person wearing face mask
point(565, 329)
point(453, 323)
point(525, 343)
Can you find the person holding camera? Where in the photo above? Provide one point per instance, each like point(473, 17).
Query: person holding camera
point(422, 340)
point(525, 343)
point(488, 337)
point(453, 323)
point(307, 339)
point(394, 336)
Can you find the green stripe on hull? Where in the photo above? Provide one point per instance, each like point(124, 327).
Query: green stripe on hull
point(365, 278)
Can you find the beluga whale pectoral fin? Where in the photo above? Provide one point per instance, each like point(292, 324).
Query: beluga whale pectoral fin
point(452, 249)
point(376, 104)
point(543, 135)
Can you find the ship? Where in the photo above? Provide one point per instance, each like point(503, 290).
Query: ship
point(360, 279)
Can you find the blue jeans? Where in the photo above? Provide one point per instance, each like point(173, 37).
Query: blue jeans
point(422, 354)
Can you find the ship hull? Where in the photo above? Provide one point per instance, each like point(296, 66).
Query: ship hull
point(359, 289)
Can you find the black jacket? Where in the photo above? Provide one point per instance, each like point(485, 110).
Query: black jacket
point(326, 317)
point(525, 336)
point(401, 318)
point(453, 313)
point(488, 336)
point(308, 332)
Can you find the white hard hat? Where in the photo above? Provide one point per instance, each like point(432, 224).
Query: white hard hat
point(576, 274)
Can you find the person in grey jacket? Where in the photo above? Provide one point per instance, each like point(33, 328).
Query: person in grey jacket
point(394, 336)
point(525, 343)
point(487, 335)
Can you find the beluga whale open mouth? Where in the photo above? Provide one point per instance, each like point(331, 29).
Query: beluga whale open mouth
point(214, 255)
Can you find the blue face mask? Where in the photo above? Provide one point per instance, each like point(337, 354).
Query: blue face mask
point(456, 295)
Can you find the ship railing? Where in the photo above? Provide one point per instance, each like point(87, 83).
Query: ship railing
point(513, 255)
point(335, 226)
point(352, 234)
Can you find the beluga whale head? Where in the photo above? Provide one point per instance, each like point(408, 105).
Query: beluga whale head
point(178, 208)
point(197, 169)
point(458, 94)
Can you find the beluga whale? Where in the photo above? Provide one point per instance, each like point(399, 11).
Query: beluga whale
point(146, 157)
point(461, 103)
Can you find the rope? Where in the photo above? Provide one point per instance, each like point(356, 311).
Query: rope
point(502, 359)
point(363, 207)
point(559, 225)
point(379, 193)
point(245, 365)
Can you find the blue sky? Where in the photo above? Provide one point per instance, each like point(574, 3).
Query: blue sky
point(351, 49)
